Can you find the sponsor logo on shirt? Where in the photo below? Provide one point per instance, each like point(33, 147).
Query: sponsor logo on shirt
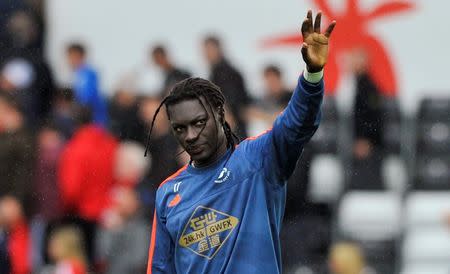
point(223, 176)
point(207, 231)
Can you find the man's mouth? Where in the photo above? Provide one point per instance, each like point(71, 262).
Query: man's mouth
point(195, 149)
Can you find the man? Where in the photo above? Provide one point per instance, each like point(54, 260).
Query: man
point(222, 212)
point(276, 92)
point(17, 153)
point(172, 74)
point(121, 243)
point(263, 112)
point(86, 174)
point(14, 236)
point(229, 80)
point(368, 126)
point(162, 151)
point(86, 84)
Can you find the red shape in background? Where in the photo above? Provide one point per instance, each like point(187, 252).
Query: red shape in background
point(352, 32)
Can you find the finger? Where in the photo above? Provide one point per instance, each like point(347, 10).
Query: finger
point(330, 29)
point(310, 17)
point(317, 22)
point(306, 26)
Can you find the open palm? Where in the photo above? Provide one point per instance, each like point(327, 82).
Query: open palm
point(315, 43)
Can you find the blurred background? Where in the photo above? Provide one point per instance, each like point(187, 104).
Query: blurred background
point(81, 80)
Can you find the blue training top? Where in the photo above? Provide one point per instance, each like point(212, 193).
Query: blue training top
point(226, 218)
point(87, 93)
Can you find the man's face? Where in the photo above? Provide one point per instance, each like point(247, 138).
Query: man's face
point(159, 59)
point(197, 131)
point(273, 83)
point(211, 52)
point(74, 58)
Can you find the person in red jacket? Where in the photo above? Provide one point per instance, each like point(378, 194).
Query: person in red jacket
point(85, 174)
point(18, 241)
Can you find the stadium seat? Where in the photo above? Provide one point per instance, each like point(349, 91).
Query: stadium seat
point(434, 137)
point(325, 139)
point(426, 269)
point(326, 179)
point(373, 219)
point(391, 109)
point(392, 126)
point(426, 209)
point(370, 216)
point(329, 109)
point(366, 174)
point(433, 172)
point(434, 109)
point(394, 174)
point(427, 246)
point(392, 137)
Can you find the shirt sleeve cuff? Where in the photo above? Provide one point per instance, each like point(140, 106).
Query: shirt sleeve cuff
point(313, 77)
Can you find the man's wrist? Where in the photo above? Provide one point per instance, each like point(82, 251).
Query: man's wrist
point(313, 77)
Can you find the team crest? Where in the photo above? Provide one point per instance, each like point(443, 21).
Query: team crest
point(206, 231)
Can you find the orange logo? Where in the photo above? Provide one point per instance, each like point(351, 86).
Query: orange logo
point(176, 200)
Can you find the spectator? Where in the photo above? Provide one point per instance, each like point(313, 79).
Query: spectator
point(22, 26)
point(130, 166)
point(276, 91)
point(368, 106)
point(121, 241)
point(162, 150)
point(22, 61)
point(262, 113)
point(368, 127)
point(63, 111)
point(31, 83)
point(231, 82)
point(47, 203)
point(85, 174)
point(172, 74)
point(86, 85)
point(17, 242)
point(17, 76)
point(347, 258)
point(123, 111)
point(16, 153)
point(66, 251)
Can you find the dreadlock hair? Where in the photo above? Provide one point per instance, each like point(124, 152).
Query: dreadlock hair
point(195, 88)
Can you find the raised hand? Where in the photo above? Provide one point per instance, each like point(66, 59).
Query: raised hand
point(315, 44)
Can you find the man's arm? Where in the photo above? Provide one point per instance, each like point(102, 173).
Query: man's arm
point(161, 252)
point(297, 124)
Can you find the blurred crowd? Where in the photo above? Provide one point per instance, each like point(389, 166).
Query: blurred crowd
point(77, 195)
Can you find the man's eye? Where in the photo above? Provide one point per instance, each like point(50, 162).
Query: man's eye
point(178, 129)
point(200, 122)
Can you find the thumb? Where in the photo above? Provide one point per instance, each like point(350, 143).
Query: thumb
point(305, 52)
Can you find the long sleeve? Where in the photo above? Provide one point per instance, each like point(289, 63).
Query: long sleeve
point(293, 128)
point(161, 252)
point(87, 93)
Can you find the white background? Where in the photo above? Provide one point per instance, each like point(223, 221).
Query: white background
point(119, 33)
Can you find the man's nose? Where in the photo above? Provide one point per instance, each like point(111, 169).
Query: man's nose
point(191, 135)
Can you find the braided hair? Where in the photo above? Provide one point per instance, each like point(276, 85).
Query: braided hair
point(195, 88)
